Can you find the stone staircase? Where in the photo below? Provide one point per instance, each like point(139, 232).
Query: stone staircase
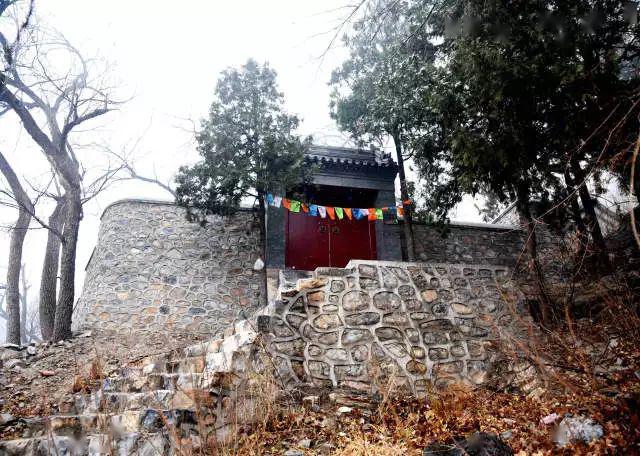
point(189, 399)
point(322, 329)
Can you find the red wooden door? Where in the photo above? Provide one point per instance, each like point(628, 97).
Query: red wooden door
point(351, 240)
point(313, 241)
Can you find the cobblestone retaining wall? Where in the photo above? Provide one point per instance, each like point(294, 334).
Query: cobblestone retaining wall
point(154, 270)
point(426, 323)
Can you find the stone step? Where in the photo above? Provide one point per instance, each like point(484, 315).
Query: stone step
point(94, 444)
point(332, 272)
point(159, 365)
point(187, 396)
point(157, 381)
point(183, 421)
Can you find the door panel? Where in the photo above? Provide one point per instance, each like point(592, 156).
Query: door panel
point(351, 240)
point(313, 241)
point(307, 242)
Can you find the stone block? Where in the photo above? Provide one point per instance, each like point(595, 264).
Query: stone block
point(387, 301)
point(362, 319)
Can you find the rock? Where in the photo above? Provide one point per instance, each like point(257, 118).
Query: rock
point(13, 363)
point(304, 443)
point(31, 350)
point(549, 419)
point(258, 265)
point(325, 448)
point(5, 418)
point(506, 435)
point(479, 444)
point(344, 409)
point(310, 401)
point(9, 353)
point(47, 373)
point(579, 428)
point(293, 453)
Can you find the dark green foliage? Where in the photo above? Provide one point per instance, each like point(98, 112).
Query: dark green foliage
point(530, 87)
point(248, 146)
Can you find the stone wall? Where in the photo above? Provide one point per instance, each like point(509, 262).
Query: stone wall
point(425, 323)
point(468, 244)
point(154, 270)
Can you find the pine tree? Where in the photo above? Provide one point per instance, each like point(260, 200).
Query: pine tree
point(248, 147)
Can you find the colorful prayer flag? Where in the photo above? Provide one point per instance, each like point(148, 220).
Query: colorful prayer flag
point(347, 210)
point(322, 211)
point(286, 203)
point(294, 206)
point(372, 214)
point(313, 210)
point(400, 212)
point(304, 207)
point(379, 215)
point(339, 213)
point(277, 201)
point(331, 212)
point(269, 199)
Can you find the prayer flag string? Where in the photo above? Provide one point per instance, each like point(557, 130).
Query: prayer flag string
point(351, 213)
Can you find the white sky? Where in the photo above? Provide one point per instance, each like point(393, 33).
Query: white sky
point(167, 57)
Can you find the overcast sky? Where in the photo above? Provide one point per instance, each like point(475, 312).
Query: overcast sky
point(166, 56)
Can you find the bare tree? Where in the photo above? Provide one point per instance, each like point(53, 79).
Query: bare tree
point(18, 233)
point(49, 276)
point(51, 103)
point(29, 328)
point(125, 162)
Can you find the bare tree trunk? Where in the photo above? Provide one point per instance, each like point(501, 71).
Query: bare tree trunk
point(64, 308)
point(588, 204)
point(18, 233)
point(531, 246)
point(24, 304)
point(576, 213)
point(49, 279)
point(404, 195)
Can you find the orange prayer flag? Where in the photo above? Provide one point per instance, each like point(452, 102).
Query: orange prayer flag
point(372, 214)
point(286, 203)
point(305, 208)
point(347, 211)
point(331, 212)
point(400, 212)
point(407, 202)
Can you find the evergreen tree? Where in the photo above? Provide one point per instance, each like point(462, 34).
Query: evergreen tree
point(379, 89)
point(248, 147)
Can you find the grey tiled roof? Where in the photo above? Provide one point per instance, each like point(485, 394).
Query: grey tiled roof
point(347, 156)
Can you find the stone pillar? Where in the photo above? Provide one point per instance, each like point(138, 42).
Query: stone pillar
point(387, 233)
point(276, 237)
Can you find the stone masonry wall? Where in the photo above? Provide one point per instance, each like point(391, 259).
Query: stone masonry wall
point(426, 323)
point(473, 243)
point(468, 244)
point(153, 270)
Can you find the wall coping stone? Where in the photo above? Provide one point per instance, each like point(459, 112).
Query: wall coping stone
point(477, 225)
point(151, 201)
